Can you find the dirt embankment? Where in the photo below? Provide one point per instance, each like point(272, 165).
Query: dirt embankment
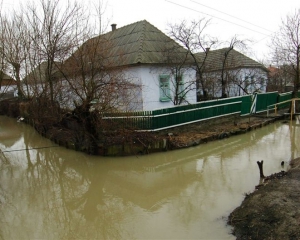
point(85, 131)
point(214, 129)
point(272, 211)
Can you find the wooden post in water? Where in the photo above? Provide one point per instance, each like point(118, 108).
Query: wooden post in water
point(260, 166)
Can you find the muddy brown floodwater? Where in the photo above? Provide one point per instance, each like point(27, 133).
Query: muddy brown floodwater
point(50, 192)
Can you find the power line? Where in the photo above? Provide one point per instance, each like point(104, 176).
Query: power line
point(216, 17)
point(261, 39)
point(231, 16)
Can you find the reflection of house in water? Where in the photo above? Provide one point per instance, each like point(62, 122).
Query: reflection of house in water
point(151, 187)
point(9, 135)
point(153, 181)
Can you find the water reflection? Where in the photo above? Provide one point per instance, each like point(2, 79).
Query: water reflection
point(54, 193)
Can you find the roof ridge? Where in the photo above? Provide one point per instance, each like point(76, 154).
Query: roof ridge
point(141, 42)
point(127, 25)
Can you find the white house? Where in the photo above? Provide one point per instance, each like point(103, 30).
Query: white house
point(241, 74)
point(138, 67)
point(149, 60)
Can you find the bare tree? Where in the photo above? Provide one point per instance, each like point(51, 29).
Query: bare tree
point(279, 78)
point(13, 50)
point(91, 79)
point(286, 46)
point(245, 81)
point(179, 71)
point(239, 81)
point(192, 36)
point(227, 61)
point(54, 27)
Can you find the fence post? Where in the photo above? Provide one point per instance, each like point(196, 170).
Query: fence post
point(253, 105)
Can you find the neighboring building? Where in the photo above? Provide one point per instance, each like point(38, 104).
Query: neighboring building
point(241, 74)
point(8, 86)
point(280, 79)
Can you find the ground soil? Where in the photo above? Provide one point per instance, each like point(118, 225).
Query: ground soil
point(272, 211)
point(202, 132)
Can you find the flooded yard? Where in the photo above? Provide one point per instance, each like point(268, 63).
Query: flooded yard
point(49, 192)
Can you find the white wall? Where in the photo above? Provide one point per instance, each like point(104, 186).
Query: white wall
point(5, 89)
point(144, 98)
point(148, 77)
point(239, 76)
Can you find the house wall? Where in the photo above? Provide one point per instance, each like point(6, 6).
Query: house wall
point(256, 85)
point(8, 89)
point(145, 97)
point(237, 77)
point(148, 77)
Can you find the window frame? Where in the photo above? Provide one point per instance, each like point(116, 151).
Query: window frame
point(164, 91)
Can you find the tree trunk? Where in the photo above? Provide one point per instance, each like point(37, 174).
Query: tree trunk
point(18, 79)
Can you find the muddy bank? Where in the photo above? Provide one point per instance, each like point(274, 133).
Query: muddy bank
point(214, 129)
point(85, 131)
point(272, 211)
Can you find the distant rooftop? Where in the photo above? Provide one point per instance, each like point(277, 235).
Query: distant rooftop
point(235, 60)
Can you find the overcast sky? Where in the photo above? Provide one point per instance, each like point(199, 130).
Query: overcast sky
point(254, 20)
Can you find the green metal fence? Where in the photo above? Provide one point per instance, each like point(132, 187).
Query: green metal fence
point(282, 97)
point(246, 104)
point(202, 112)
point(185, 114)
point(264, 100)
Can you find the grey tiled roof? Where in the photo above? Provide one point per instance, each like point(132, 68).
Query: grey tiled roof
point(143, 43)
point(139, 42)
point(235, 60)
point(39, 73)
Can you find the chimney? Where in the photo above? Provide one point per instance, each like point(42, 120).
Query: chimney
point(113, 27)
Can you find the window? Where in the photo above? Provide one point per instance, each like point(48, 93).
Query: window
point(164, 86)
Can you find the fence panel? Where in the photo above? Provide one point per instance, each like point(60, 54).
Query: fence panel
point(211, 110)
point(284, 97)
point(246, 104)
point(264, 100)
